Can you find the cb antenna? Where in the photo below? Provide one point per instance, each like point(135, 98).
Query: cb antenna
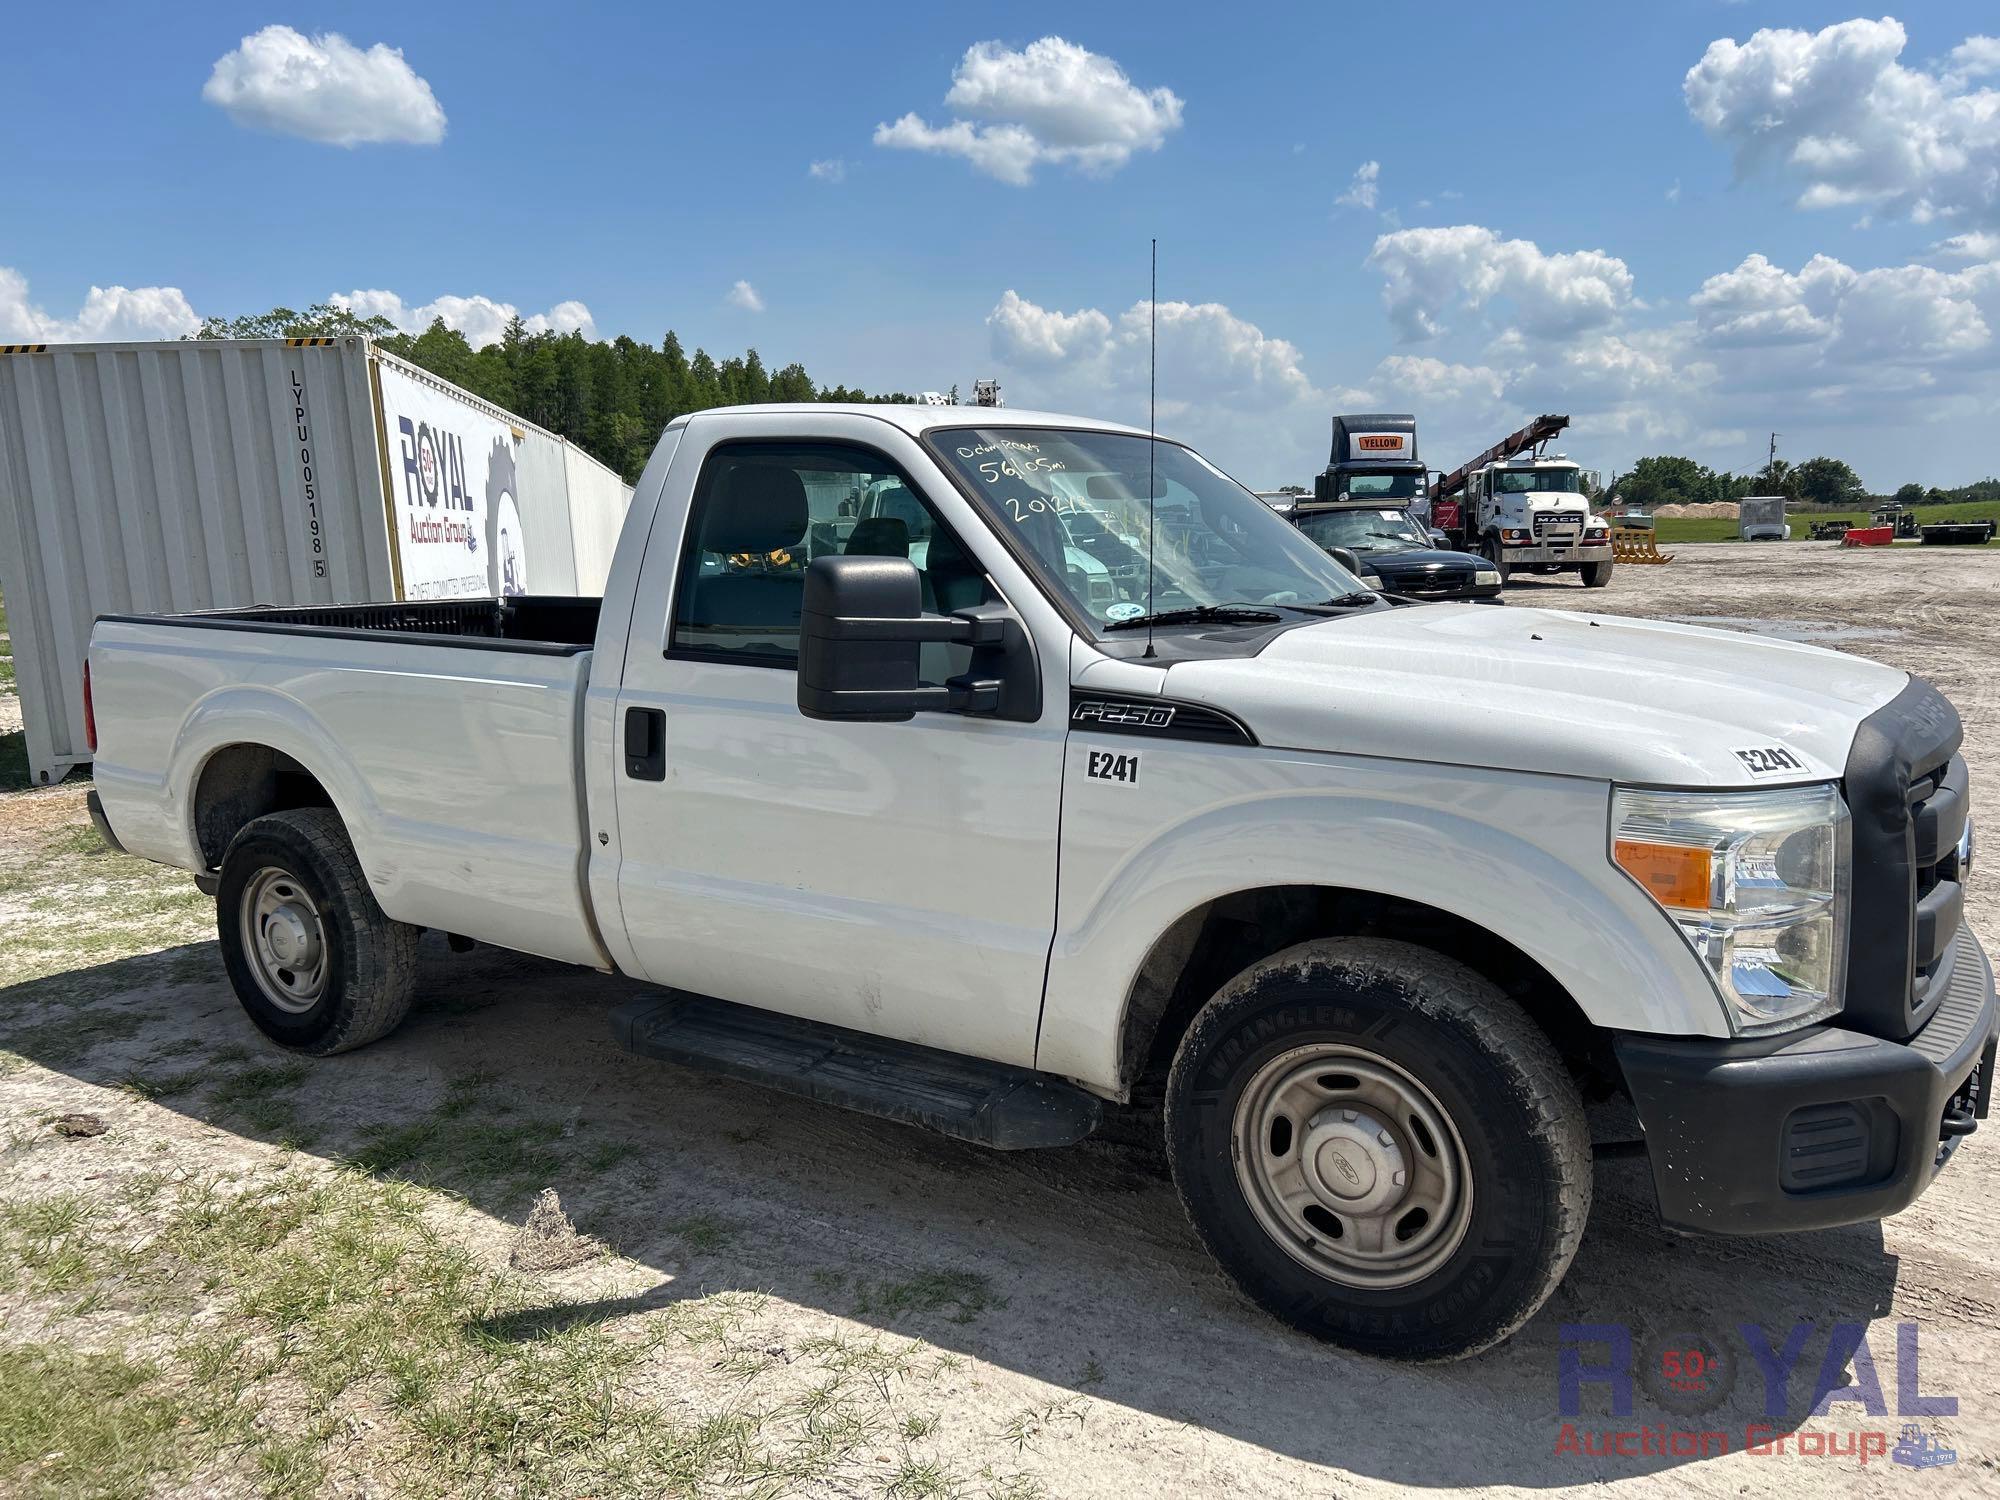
point(1152, 429)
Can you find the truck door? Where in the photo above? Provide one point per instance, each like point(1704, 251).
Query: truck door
point(895, 878)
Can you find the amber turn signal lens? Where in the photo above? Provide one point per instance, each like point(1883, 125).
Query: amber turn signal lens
point(1676, 875)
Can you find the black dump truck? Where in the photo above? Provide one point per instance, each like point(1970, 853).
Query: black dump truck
point(1375, 458)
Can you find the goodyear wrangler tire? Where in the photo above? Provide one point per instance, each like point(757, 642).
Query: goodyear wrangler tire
point(1380, 1147)
point(316, 963)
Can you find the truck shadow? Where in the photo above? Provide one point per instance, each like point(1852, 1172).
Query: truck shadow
point(1074, 1267)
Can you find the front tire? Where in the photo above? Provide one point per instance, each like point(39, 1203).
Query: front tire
point(317, 965)
point(1497, 555)
point(1380, 1148)
point(1596, 575)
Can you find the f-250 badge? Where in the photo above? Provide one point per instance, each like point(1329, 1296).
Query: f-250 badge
point(1108, 765)
point(1769, 760)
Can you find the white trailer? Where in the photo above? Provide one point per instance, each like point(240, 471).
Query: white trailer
point(223, 474)
point(1761, 518)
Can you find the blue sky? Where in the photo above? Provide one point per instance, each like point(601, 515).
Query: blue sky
point(1564, 211)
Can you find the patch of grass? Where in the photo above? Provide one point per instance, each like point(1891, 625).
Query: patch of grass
point(68, 1040)
point(155, 1086)
point(14, 762)
point(83, 1424)
point(261, 1096)
point(960, 1295)
point(455, 1150)
point(704, 1233)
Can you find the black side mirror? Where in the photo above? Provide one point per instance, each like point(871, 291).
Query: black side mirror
point(861, 629)
point(1439, 539)
point(1346, 559)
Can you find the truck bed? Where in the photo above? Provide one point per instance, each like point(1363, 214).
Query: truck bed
point(447, 735)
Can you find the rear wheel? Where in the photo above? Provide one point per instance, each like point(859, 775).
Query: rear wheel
point(1380, 1147)
point(317, 965)
point(1596, 575)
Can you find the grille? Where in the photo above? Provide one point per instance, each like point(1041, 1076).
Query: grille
point(1906, 788)
point(1561, 519)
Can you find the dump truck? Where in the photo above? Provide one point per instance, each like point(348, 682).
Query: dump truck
point(1374, 459)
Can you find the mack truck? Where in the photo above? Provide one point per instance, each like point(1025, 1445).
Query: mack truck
point(1524, 511)
point(1359, 902)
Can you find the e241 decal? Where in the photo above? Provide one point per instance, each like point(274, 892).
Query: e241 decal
point(1109, 765)
point(1769, 760)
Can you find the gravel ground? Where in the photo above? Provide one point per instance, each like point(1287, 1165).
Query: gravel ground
point(1093, 1350)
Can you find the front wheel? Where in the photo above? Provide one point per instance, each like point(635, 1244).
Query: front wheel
point(317, 964)
point(1496, 555)
point(1380, 1147)
point(1596, 575)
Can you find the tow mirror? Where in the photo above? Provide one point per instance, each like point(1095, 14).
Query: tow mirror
point(862, 629)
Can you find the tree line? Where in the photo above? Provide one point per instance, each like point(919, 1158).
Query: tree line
point(1820, 483)
point(611, 397)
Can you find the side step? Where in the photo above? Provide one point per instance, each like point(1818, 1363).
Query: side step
point(994, 1104)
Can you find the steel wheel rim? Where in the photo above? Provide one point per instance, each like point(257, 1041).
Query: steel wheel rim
point(284, 939)
point(1351, 1165)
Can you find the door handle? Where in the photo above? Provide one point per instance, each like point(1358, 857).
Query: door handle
point(646, 744)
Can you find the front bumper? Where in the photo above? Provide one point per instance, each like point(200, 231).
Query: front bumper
point(1816, 1127)
point(1520, 556)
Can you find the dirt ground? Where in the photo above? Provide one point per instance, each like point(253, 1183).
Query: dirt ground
point(795, 1300)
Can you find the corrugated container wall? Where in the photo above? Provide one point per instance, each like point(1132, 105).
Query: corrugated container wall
point(158, 478)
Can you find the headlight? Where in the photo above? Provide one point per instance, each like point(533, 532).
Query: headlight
point(1371, 580)
point(1757, 882)
point(1485, 577)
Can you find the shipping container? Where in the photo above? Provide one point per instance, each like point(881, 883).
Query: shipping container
point(223, 474)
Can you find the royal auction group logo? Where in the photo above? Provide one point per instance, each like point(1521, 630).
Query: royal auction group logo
point(1688, 1375)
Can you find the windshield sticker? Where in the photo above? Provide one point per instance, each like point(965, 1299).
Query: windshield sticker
point(1124, 611)
point(1770, 760)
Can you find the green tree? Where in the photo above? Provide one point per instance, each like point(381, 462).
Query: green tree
point(1909, 494)
point(1830, 482)
point(321, 320)
point(1667, 479)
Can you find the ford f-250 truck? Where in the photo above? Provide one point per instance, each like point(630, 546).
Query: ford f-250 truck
point(1117, 787)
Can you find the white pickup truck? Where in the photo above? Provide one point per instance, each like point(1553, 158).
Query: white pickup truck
point(989, 771)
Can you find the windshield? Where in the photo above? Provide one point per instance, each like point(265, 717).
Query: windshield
point(1365, 530)
point(1077, 504)
point(1381, 486)
point(1539, 481)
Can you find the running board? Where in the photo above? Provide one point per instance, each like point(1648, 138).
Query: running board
point(994, 1104)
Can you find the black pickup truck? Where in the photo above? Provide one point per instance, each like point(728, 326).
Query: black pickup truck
point(1394, 552)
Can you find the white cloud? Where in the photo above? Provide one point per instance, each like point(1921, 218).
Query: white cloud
point(1365, 189)
point(831, 170)
point(744, 298)
point(1674, 192)
point(1052, 102)
point(1976, 245)
point(113, 314)
point(324, 88)
point(1837, 114)
point(1427, 272)
point(481, 319)
point(1847, 320)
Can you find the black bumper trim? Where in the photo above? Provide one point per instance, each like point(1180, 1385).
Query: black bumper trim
point(1719, 1116)
point(102, 823)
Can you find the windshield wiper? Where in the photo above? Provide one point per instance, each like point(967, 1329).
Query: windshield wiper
point(1344, 601)
point(1233, 614)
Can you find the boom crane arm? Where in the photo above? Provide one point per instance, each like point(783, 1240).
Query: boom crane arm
point(1538, 431)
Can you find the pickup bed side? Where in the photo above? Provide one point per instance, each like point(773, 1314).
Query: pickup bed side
point(454, 764)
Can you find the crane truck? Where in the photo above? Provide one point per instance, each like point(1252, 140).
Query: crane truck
point(1522, 509)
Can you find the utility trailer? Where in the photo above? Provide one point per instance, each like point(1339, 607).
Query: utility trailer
point(1957, 534)
point(224, 474)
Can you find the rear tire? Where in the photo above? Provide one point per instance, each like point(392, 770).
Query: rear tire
point(316, 963)
point(1596, 575)
point(1380, 1148)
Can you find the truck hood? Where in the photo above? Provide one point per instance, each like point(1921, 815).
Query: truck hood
point(1551, 691)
